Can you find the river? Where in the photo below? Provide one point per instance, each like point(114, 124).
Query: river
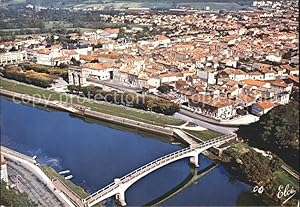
point(97, 152)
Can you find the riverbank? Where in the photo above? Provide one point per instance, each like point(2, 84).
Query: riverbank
point(81, 111)
point(83, 107)
point(120, 115)
point(103, 107)
point(86, 112)
point(259, 168)
point(31, 165)
point(131, 124)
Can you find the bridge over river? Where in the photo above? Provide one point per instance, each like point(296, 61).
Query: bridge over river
point(120, 185)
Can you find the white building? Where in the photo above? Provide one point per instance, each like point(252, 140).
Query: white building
point(3, 173)
point(208, 76)
point(171, 77)
point(13, 57)
point(234, 74)
point(274, 58)
point(282, 98)
point(295, 60)
point(261, 108)
point(55, 57)
point(92, 71)
point(218, 108)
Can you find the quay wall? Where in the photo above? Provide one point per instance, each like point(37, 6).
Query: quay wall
point(165, 131)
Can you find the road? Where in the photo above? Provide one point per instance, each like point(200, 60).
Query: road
point(116, 85)
point(27, 182)
point(293, 173)
point(221, 129)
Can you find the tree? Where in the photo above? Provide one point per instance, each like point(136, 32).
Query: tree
point(98, 45)
point(63, 65)
point(278, 132)
point(73, 88)
point(164, 89)
point(75, 62)
point(13, 49)
point(11, 197)
point(134, 100)
point(252, 167)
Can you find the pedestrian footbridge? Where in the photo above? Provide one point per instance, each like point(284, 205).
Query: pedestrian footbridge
point(120, 185)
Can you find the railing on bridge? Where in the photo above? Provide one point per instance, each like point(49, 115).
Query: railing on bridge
point(156, 162)
point(137, 170)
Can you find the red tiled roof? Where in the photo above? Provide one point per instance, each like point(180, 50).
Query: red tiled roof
point(265, 105)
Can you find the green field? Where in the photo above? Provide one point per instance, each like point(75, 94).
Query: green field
point(281, 177)
point(205, 134)
point(116, 110)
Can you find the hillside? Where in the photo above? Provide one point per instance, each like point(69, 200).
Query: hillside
point(278, 132)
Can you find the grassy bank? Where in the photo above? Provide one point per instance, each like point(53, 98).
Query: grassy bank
point(52, 174)
point(281, 177)
point(116, 110)
point(260, 169)
point(204, 135)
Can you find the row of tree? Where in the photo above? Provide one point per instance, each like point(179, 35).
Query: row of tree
point(60, 71)
point(147, 103)
point(22, 77)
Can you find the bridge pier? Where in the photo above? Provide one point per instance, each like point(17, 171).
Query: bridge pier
point(195, 160)
point(220, 152)
point(120, 197)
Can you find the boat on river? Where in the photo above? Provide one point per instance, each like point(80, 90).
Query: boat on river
point(68, 177)
point(64, 172)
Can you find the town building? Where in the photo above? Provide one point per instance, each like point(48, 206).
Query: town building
point(13, 57)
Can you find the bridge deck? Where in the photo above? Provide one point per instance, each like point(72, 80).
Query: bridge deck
point(160, 162)
point(185, 137)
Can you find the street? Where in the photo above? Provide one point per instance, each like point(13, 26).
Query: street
point(116, 85)
point(221, 129)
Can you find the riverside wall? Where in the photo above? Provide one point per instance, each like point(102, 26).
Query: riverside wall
point(30, 164)
point(129, 123)
point(159, 130)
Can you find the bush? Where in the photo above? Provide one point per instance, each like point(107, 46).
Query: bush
point(38, 79)
point(137, 101)
point(60, 71)
point(164, 89)
point(11, 197)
